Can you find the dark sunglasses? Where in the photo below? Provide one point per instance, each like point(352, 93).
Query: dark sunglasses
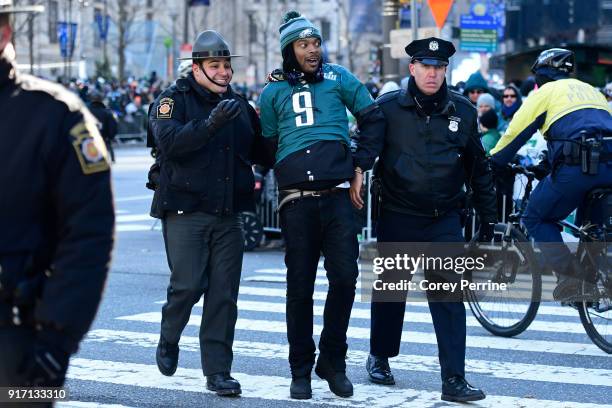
point(509, 96)
point(479, 91)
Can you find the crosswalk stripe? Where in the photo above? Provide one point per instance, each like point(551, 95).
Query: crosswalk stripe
point(546, 280)
point(84, 404)
point(132, 227)
point(277, 388)
point(486, 342)
point(134, 217)
point(414, 317)
point(322, 281)
point(543, 310)
point(134, 198)
point(497, 369)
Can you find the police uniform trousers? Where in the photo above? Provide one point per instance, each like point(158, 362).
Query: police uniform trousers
point(311, 226)
point(447, 310)
point(553, 199)
point(205, 258)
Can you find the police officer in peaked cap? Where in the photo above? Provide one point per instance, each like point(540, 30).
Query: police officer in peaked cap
point(57, 218)
point(422, 170)
point(207, 137)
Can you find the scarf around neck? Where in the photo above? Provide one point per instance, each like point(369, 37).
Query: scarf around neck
point(428, 104)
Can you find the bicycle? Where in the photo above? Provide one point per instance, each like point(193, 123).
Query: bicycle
point(513, 260)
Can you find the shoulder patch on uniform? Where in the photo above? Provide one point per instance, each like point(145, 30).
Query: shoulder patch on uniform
point(89, 147)
point(165, 108)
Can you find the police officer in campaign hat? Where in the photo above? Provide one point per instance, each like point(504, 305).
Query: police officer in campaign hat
point(57, 218)
point(422, 170)
point(206, 137)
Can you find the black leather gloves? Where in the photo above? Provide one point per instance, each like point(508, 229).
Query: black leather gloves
point(225, 111)
point(45, 366)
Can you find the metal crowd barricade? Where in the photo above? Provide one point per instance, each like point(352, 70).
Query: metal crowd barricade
point(266, 209)
point(366, 232)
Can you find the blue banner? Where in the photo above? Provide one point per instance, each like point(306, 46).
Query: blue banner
point(193, 3)
point(66, 35)
point(103, 23)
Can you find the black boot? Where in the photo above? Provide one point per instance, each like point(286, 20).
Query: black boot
point(458, 390)
point(337, 380)
point(572, 284)
point(379, 371)
point(300, 388)
point(223, 384)
point(166, 357)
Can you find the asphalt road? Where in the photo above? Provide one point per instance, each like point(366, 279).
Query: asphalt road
point(553, 364)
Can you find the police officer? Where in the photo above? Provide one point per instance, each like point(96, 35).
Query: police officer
point(423, 168)
point(207, 137)
point(304, 111)
point(107, 122)
point(57, 218)
point(574, 119)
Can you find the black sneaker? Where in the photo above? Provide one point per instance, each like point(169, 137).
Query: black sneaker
point(338, 382)
point(166, 357)
point(379, 371)
point(456, 389)
point(223, 384)
point(300, 388)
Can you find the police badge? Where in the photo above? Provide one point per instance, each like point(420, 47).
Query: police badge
point(453, 126)
point(433, 46)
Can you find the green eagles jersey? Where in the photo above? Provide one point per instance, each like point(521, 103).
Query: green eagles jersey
point(308, 113)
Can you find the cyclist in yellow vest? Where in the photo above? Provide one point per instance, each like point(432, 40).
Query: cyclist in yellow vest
point(574, 118)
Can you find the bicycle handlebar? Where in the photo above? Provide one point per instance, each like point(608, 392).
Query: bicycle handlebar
point(518, 169)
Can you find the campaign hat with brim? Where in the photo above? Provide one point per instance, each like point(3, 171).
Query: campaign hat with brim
point(210, 44)
point(6, 7)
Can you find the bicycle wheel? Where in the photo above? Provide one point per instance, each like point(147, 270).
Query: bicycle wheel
point(596, 315)
point(510, 260)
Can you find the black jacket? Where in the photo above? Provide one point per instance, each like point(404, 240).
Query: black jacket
point(106, 119)
point(200, 171)
point(325, 164)
point(427, 160)
point(56, 205)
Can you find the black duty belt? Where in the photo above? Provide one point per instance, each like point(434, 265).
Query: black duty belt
point(289, 195)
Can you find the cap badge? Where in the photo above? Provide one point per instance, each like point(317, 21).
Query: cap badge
point(433, 46)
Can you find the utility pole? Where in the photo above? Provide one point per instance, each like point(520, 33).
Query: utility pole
point(414, 23)
point(105, 43)
point(390, 66)
point(31, 39)
point(186, 22)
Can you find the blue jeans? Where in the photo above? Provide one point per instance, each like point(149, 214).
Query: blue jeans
point(310, 226)
point(553, 199)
